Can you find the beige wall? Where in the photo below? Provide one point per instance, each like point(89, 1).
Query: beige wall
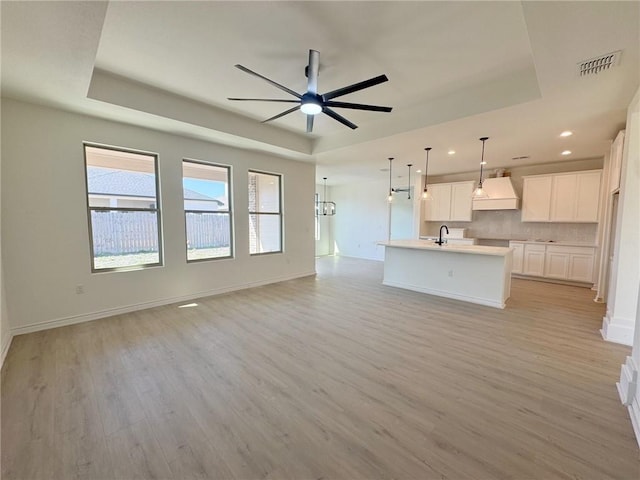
point(46, 244)
point(506, 224)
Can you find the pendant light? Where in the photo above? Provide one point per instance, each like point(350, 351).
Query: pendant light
point(390, 197)
point(425, 192)
point(325, 207)
point(479, 192)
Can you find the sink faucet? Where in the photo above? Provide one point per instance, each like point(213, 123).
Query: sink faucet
point(440, 241)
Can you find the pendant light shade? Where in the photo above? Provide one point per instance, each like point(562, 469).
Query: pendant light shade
point(479, 191)
point(426, 195)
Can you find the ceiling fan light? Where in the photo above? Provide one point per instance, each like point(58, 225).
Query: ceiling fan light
point(311, 108)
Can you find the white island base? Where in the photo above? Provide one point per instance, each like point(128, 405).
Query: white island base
point(470, 273)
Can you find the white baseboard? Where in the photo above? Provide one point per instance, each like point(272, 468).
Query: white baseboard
point(5, 349)
point(629, 392)
point(87, 317)
point(440, 293)
point(634, 413)
point(617, 331)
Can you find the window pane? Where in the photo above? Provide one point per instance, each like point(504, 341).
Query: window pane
point(264, 233)
point(205, 187)
point(122, 185)
point(119, 179)
point(208, 235)
point(264, 192)
point(124, 239)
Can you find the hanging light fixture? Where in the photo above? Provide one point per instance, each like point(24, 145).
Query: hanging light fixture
point(479, 192)
point(324, 207)
point(390, 197)
point(425, 192)
point(408, 189)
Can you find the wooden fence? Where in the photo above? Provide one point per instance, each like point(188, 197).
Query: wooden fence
point(119, 233)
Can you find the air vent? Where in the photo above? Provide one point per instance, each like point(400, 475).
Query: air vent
point(599, 64)
point(522, 157)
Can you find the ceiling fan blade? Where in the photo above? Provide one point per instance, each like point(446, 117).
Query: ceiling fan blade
point(282, 114)
point(357, 106)
point(263, 100)
point(355, 87)
point(275, 84)
point(339, 118)
point(312, 71)
point(310, 123)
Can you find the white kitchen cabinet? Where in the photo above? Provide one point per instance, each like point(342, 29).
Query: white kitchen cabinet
point(461, 201)
point(570, 263)
point(449, 202)
point(587, 196)
point(533, 260)
point(536, 199)
point(518, 257)
point(556, 264)
point(560, 262)
point(563, 197)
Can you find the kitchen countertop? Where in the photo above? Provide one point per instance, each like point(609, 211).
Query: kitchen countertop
point(468, 249)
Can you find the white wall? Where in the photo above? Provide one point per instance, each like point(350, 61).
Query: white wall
point(623, 310)
point(5, 334)
point(46, 244)
point(361, 220)
point(622, 299)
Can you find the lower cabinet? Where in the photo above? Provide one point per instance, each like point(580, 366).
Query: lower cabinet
point(533, 260)
point(561, 262)
point(518, 257)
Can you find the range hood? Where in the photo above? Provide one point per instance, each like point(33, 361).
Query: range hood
point(500, 195)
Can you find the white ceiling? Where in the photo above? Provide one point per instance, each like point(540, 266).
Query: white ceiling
point(457, 71)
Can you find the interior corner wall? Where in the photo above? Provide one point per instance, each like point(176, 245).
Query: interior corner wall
point(45, 236)
point(361, 220)
point(622, 299)
point(5, 332)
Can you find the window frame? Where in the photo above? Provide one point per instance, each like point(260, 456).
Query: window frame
point(157, 209)
point(280, 212)
point(229, 211)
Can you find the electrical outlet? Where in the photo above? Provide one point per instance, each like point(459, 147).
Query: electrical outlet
point(451, 273)
point(79, 289)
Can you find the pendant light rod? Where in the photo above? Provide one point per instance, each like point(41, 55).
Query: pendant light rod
point(390, 198)
point(482, 139)
point(479, 192)
point(426, 170)
point(409, 186)
point(324, 198)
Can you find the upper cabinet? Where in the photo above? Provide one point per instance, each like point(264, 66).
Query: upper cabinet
point(449, 202)
point(571, 197)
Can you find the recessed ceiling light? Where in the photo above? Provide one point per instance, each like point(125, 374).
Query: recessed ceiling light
point(566, 152)
point(418, 171)
point(566, 133)
point(451, 152)
point(484, 162)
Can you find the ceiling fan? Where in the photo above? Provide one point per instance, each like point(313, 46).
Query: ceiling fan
point(311, 102)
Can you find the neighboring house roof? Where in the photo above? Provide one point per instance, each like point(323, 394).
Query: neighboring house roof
point(107, 181)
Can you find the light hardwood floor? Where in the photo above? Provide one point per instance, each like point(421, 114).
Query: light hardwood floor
point(329, 377)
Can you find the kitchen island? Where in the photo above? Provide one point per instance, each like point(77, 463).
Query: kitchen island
point(471, 273)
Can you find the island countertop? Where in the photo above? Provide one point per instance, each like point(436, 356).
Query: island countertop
point(427, 245)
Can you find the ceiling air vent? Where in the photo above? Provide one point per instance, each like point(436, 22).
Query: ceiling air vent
point(598, 64)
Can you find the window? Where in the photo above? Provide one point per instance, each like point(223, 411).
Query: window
point(124, 213)
point(265, 213)
point(207, 210)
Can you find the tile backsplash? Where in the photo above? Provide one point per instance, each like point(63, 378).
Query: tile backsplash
point(506, 224)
